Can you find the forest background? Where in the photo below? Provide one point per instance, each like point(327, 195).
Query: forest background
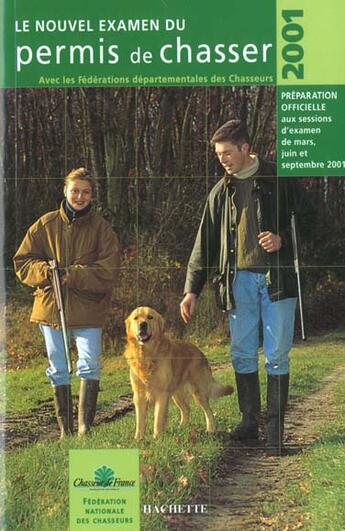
point(149, 149)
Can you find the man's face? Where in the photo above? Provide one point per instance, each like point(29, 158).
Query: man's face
point(232, 158)
point(78, 194)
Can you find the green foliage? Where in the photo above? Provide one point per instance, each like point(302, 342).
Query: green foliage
point(320, 497)
point(181, 465)
point(325, 299)
point(24, 341)
point(28, 388)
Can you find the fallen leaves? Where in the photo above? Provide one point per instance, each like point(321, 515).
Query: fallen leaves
point(187, 456)
point(183, 480)
point(146, 471)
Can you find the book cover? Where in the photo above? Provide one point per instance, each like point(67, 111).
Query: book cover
point(134, 92)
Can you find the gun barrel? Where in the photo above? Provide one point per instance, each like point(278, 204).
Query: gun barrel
point(297, 271)
point(60, 306)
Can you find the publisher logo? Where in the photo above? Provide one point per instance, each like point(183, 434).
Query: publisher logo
point(104, 479)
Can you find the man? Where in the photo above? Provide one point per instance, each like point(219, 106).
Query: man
point(245, 236)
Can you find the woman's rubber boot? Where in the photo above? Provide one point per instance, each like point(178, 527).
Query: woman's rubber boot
point(248, 392)
point(87, 404)
point(64, 409)
point(277, 398)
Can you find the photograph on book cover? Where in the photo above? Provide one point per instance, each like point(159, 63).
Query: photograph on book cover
point(174, 229)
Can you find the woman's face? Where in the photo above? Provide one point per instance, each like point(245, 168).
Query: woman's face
point(78, 193)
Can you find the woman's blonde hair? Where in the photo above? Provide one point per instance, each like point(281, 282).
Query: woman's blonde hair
point(83, 175)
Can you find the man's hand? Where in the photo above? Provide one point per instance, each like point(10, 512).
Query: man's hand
point(187, 306)
point(270, 242)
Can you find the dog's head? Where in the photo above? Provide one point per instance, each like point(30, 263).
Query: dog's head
point(144, 325)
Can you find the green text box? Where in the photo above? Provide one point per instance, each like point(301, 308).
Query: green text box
point(311, 125)
point(166, 43)
point(104, 489)
point(322, 42)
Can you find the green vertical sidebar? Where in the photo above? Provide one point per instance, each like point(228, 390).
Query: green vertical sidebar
point(311, 88)
point(323, 41)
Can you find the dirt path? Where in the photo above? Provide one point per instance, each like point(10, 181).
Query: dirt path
point(249, 478)
point(246, 480)
point(40, 423)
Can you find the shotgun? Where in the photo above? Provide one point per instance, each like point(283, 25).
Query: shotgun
point(59, 303)
point(296, 264)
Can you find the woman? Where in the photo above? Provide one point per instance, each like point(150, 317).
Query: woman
point(87, 253)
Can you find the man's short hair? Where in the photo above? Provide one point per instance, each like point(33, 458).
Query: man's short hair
point(233, 131)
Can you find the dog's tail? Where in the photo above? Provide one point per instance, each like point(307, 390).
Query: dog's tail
point(218, 389)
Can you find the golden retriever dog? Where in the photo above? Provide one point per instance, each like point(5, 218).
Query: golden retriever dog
point(161, 368)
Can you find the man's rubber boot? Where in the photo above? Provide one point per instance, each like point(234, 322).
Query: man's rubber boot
point(248, 392)
point(87, 404)
point(64, 409)
point(277, 398)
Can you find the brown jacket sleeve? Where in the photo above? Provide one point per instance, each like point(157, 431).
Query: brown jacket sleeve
point(30, 263)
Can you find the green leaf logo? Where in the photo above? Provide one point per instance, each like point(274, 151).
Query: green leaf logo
point(104, 476)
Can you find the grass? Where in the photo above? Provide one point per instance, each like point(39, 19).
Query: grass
point(179, 467)
point(29, 387)
point(321, 495)
point(316, 499)
point(171, 468)
point(22, 393)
